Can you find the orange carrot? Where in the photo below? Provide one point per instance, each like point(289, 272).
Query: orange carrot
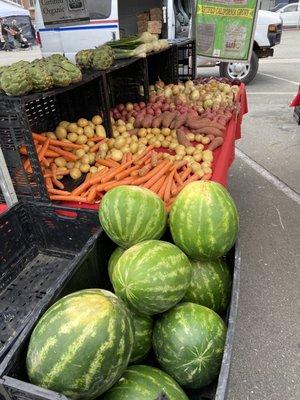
point(157, 185)
point(180, 164)
point(186, 173)
point(56, 191)
point(92, 195)
point(97, 177)
point(143, 171)
point(97, 139)
point(173, 187)
point(192, 178)
point(159, 174)
point(111, 185)
point(167, 194)
point(66, 154)
point(27, 166)
point(68, 198)
point(178, 178)
point(23, 150)
point(41, 153)
point(162, 189)
point(53, 170)
point(124, 159)
point(54, 142)
point(146, 151)
point(57, 183)
point(127, 172)
point(152, 173)
point(95, 148)
point(107, 163)
point(49, 183)
point(144, 159)
point(115, 171)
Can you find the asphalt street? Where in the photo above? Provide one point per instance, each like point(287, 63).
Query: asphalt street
point(265, 183)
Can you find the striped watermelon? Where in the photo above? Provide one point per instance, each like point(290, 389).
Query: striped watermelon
point(131, 214)
point(141, 382)
point(188, 342)
point(152, 276)
point(113, 259)
point(210, 284)
point(204, 220)
point(142, 336)
point(82, 344)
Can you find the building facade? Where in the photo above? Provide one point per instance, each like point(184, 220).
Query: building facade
point(28, 5)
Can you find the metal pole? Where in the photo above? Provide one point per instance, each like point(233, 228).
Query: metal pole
point(6, 183)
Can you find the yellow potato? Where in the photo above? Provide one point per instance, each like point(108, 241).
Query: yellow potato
point(197, 157)
point(84, 168)
point(200, 146)
point(190, 136)
point(142, 132)
point(75, 173)
point(70, 165)
point(86, 148)
point(91, 125)
point(120, 142)
point(205, 140)
point(51, 135)
point(121, 128)
point(157, 144)
point(134, 138)
point(155, 131)
point(90, 143)
point(103, 147)
point(143, 140)
point(92, 157)
point(198, 138)
point(60, 132)
point(72, 137)
point(207, 155)
point(60, 162)
point(77, 164)
point(131, 120)
point(133, 148)
point(72, 128)
point(160, 137)
point(97, 120)
point(173, 145)
point(64, 124)
point(190, 150)
point(120, 122)
point(116, 155)
point(88, 131)
point(111, 143)
point(165, 143)
point(166, 131)
point(129, 126)
point(100, 131)
point(82, 139)
point(85, 159)
point(82, 122)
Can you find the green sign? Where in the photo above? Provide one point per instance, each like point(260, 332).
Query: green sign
point(225, 28)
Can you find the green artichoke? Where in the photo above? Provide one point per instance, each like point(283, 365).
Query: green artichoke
point(72, 70)
point(61, 78)
point(41, 78)
point(84, 58)
point(2, 69)
point(102, 58)
point(16, 80)
point(57, 58)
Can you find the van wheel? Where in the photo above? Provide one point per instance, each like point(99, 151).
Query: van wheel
point(245, 72)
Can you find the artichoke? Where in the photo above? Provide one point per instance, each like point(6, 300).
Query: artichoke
point(84, 58)
point(72, 70)
point(41, 78)
point(61, 78)
point(102, 58)
point(16, 80)
point(2, 69)
point(57, 58)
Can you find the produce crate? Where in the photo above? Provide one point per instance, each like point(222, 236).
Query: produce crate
point(297, 114)
point(127, 80)
point(41, 112)
point(14, 380)
point(42, 247)
point(160, 66)
point(184, 60)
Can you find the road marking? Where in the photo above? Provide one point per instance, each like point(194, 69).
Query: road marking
point(292, 194)
point(289, 93)
point(280, 79)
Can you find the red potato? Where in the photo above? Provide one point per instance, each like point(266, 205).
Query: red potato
point(165, 107)
point(136, 107)
point(120, 107)
point(138, 121)
point(156, 122)
point(182, 139)
point(217, 142)
point(142, 104)
point(124, 113)
point(158, 112)
point(147, 121)
point(150, 111)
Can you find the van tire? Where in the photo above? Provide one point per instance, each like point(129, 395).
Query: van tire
point(227, 70)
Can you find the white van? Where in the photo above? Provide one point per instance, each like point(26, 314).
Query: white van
point(110, 18)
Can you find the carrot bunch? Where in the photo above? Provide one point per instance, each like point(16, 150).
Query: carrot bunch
point(148, 170)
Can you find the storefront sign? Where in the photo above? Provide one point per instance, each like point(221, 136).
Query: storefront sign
point(64, 12)
point(225, 28)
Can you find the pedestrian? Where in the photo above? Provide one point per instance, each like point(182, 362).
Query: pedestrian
point(4, 34)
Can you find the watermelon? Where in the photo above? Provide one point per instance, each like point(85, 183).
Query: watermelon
point(113, 260)
point(210, 284)
point(82, 344)
point(141, 382)
point(189, 342)
point(152, 276)
point(132, 214)
point(204, 221)
point(142, 336)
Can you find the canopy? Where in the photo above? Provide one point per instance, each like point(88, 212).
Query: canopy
point(10, 10)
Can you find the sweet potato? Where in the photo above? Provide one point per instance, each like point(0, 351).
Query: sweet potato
point(182, 139)
point(168, 118)
point(209, 130)
point(134, 131)
point(138, 121)
point(147, 121)
point(180, 121)
point(156, 122)
point(211, 137)
point(217, 142)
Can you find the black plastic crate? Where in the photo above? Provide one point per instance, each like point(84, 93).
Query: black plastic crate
point(41, 247)
point(184, 60)
point(297, 114)
point(160, 66)
point(41, 112)
point(14, 380)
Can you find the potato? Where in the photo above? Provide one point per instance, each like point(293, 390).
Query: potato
point(195, 166)
point(91, 125)
point(85, 159)
point(206, 164)
point(86, 148)
point(92, 158)
point(190, 150)
point(115, 134)
point(82, 122)
point(64, 124)
point(75, 173)
point(82, 139)
point(60, 132)
point(100, 131)
point(169, 138)
point(88, 131)
point(133, 148)
point(90, 143)
point(120, 122)
point(205, 140)
point(143, 140)
point(149, 130)
point(121, 128)
point(207, 170)
point(128, 140)
point(157, 144)
point(125, 135)
point(174, 133)
point(134, 138)
point(72, 128)
point(178, 157)
point(160, 137)
point(77, 164)
point(126, 149)
point(93, 170)
point(103, 147)
point(180, 147)
point(101, 154)
point(200, 146)
point(155, 131)
point(150, 135)
point(198, 138)
point(129, 126)
point(142, 132)
point(70, 165)
point(166, 131)
point(51, 135)
point(116, 155)
point(165, 143)
point(111, 143)
point(72, 137)
point(173, 145)
point(120, 142)
point(188, 159)
point(190, 136)
point(197, 157)
point(60, 161)
point(151, 141)
point(131, 120)
point(97, 120)
point(84, 168)
point(207, 155)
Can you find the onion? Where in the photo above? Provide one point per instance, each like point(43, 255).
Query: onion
point(152, 98)
point(124, 113)
point(189, 83)
point(176, 90)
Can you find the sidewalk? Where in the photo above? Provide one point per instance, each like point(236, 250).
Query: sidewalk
point(9, 57)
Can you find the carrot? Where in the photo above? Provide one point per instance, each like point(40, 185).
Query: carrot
point(173, 187)
point(146, 151)
point(178, 178)
point(53, 170)
point(97, 178)
point(161, 191)
point(27, 166)
point(179, 165)
point(124, 159)
point(23, 150)
point(95, 148)
point(145, 159)
point(152, 173)
point(192, 178)
point(111, 185)
point(56, 191)
point(54, 142)
point(97, 139)
point(49, 183)
point(167, 193)
point(206, 177)
point(45, 162)
point(145, 170)
point(57, 183)
point(66, 154)
point(129, 157)
point(134, 173)
point(126, 173)
point(157, 185)
point(92, 195)
point(115, 171)
point(186, 173)
point(41, 153)
point(107, 163)
point(159, 174)
point(68, 198)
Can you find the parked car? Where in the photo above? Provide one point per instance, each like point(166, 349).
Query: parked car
point(290, 14)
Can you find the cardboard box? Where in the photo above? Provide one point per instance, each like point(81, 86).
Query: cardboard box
point(154, 27)
point(156, 14)
point(142, 27)
point(143, 17)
